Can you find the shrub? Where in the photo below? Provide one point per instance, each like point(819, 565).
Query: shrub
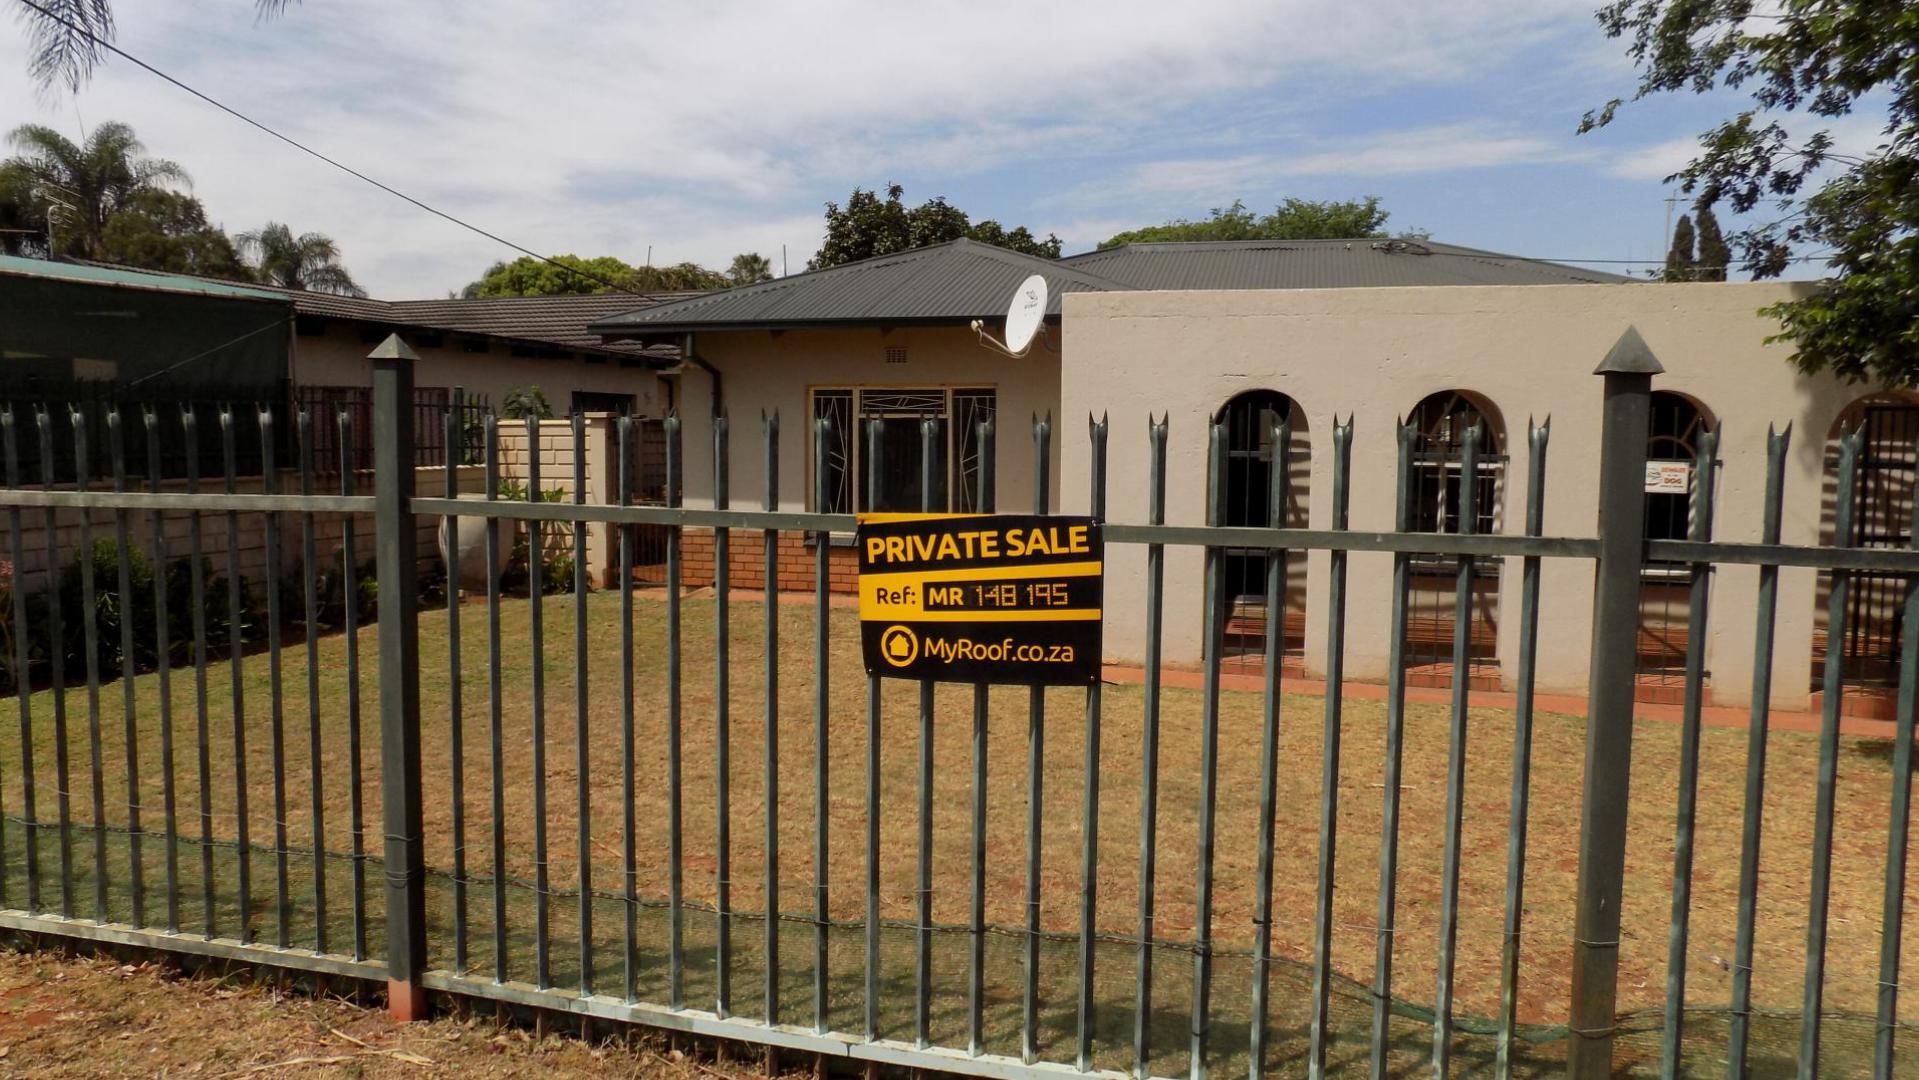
point(524, 401)
point(110, 609)
point(7, 674)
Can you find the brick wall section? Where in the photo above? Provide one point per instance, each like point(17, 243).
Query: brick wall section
point(747, 571)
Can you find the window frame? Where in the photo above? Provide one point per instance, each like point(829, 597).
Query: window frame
point(957, 500)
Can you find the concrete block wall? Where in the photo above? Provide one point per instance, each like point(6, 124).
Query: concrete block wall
point(553, 448)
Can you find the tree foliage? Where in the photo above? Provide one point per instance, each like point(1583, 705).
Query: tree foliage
point(68, 39)
point(167, 230)
point(77, 187)
point(309, 261)
point(869, 226)
point(1823, 59)
point(1292, 219)
point(1715, 255)
point(575, 276)
point(1682, 261)
point(749, 268)
point(23, 229)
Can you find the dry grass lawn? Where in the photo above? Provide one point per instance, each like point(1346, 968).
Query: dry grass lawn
point(1858, 848)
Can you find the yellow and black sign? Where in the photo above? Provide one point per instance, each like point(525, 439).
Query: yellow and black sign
point(981, 599)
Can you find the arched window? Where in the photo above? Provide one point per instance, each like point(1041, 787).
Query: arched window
point(1249, 420)
point(1665, 603)
point(1869, 640)
point(1443, 422)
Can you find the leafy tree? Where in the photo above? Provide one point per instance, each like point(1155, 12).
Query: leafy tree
point(528, 276)
point(749, 268)
point(1715, 255)
point(680, 277)
point(309, 261)
point(575, 276)
point(70, 38)
point(81, 186)
point(869, 226)
point(166, 230)
point(23, 230)
point(1682, 264)
point(1859, 214)
point(1293, 219)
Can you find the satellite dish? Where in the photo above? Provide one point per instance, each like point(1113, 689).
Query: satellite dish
point(1024, 314)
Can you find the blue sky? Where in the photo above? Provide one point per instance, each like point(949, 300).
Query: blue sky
point(603, 127)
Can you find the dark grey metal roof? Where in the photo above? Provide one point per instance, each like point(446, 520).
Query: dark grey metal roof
point(962, 280)
point(950, 283)
point(1322, 264)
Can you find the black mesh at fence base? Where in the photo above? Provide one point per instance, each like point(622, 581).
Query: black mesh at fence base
point(1539, 1051)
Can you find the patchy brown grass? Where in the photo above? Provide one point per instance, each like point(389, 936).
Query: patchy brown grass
point(62, 1017)
point(1858, 848)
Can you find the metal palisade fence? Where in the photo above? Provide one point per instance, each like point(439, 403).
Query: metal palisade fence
point(921, 912)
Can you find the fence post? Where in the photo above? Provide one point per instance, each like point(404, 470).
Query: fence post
point(396, 544)
point(1628, 370)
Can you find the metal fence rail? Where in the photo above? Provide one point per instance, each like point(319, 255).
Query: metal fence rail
point(485, 893)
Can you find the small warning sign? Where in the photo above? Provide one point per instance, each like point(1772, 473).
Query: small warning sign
point(970, 598)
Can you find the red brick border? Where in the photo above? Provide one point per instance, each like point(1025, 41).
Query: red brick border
point(746, 548)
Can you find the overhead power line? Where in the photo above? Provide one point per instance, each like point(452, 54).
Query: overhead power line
point(305, 149)
point(503, 241)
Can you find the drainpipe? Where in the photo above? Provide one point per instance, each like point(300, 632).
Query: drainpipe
point(687, 353)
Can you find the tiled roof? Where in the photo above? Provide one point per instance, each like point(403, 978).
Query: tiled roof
point(562, 320)
point(552, 321)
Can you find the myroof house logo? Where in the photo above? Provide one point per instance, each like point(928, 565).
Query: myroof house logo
point(900, 646)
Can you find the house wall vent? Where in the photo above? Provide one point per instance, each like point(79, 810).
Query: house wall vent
point(896, 354)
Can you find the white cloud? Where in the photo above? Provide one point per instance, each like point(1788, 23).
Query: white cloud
point(1856, 136)
point(1436, 149)
point(705, 129)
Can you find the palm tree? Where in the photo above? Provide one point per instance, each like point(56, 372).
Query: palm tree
point(750, 268)
point(308, 261)
point(80, 186)
point(69, 38)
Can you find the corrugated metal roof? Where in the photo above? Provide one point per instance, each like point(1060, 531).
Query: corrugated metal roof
point(962, 280)
point(119, 277)
point(954, 282)
point(1323, 264)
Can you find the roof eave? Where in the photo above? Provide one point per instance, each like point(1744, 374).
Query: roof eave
point(398, 326)
point(675, 330)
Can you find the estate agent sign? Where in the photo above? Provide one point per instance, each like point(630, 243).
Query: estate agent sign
point(971, 598)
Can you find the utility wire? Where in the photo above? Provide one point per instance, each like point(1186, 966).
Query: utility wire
point(495, 237)
point(303, 148)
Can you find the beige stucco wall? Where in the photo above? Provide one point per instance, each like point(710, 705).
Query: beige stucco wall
point(1374, 353)
point(763, 370)
point(338, 358)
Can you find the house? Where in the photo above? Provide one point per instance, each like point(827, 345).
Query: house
point(1451, 339)
point(159, 336)
point(889, 342)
